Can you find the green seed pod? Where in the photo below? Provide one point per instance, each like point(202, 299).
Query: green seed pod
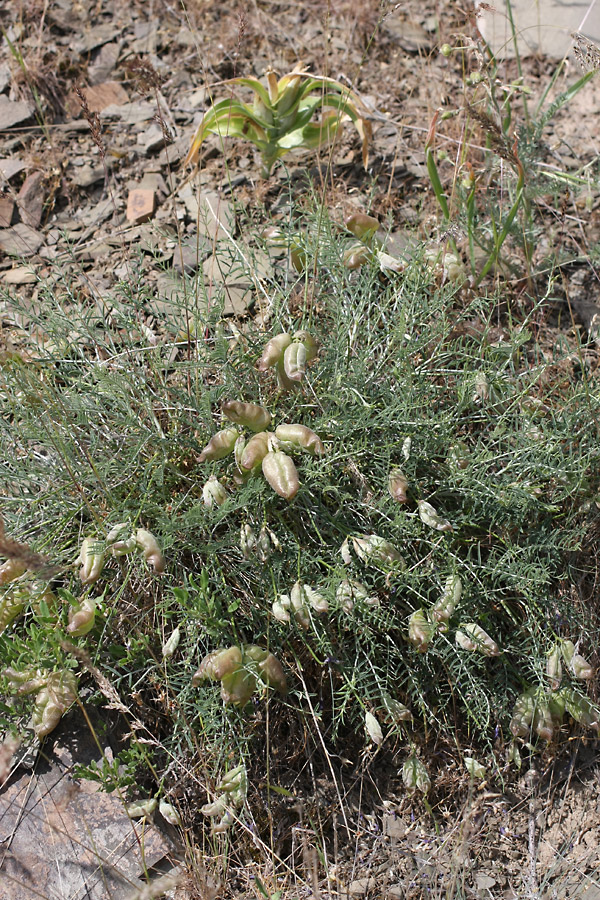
point(91, 559)
point(349, 592)
point(213, 493)
point(120, 540)
point(459, 456)
point(310, 343)
point(267, 543)
point(473, 637)
point(543, 724)
point(415, 776)
point(249, 415)
point(142, 808)
point(300, 605)
point(579, 666)
point(218, 664)
point(235, 780)
point(170, 646)
point(11, 605)
point(52, 701)
point(581, 708)
point(373, 728)
point(283, 382)
point(397, 484)
point(82, 617)
point(523, 712)
point(474, 768)
point(281, 609)
point(271, 672)
point(429, 516)
point(362, 226)
point(238, 686)
point(274, 350)
point(294, 361)
point(301, 438)
point(247, 541)
point(11, 569)
point(220, 445)
point(446, 50)
point(169, 813)
point(281, 473)
point(356, 256)
point(255, 451)
point(396, 711)
point(554, 667)
point(316, 600)
point(443, 609)
point(420, 631)
point(150, 550)
point(374, 550)
point(238, 451)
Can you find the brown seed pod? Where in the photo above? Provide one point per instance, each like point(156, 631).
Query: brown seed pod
point(274, 350)
point(255, 451)
point(220, 445)
point(301, 437)
point(281, 473)
point(397, 484)
point(249, 415)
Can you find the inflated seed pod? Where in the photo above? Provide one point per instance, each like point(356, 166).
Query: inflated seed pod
point(397, 484)
point(294, 361)
point(522, 715)
point(247, 541)
point(361, 225)
point(374, 550)
point(267, 542)
point(356, 256)
point(443, 609)
point(249, 415)
point(120, 540)
point(255, 451)
point(274, 350)
point(91, 560)
point(420, 630)
point(543, 724)
point(271, 672)
point(82, 617)
point(310, 343)
point(300, 606)
point(300, 437)
point(281, 473)
point(554, 667)
point(281, 608)
point(52, 701)
point(415, 775)
point(220, 445)
point(150, 550)
point(581, 708)
point(237, 687)
point(429, 516)
point(11, 605)
point(579, 666)
point(238, 451)
point(283, 382)
point(348, 592)
point(11, 569)
point(213, 493)
point(473, 637)
point(142, 808)
point(217, 664)
point(396, 711)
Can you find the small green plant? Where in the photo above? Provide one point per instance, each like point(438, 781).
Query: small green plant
point(279, 119)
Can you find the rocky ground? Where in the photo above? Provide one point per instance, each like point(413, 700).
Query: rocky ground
point(99, 101)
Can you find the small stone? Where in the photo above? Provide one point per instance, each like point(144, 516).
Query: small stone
point(7, 208)
point(13, 112)
point(362, 886)
point(11, 166)
point(85, 176)
point(140, 205)
point(152, 139)
point(104, 62)
point(20, 240)
point(30, 200)
point(20, 275)
point(484, 882)
point(99, 96)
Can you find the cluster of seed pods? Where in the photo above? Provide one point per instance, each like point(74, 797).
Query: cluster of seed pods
point(230, 796)
point(55, 693)
point(289, 355)
point(541, 711)
point(264, 450)
point(240, 670)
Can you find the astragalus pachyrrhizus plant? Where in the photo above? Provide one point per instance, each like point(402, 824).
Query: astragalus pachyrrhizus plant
point(280, 117)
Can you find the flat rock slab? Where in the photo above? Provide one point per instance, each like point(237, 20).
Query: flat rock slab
point(13, 112)
point(20, 240)
point(65, 839)
point(542, 26)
